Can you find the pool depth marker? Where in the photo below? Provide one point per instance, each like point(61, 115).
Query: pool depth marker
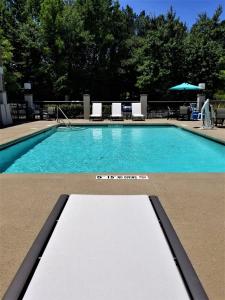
point(122, 177)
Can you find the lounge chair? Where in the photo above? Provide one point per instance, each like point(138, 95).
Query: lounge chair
point(171, 113)
point(96, 111)
point(184, 113)
point(220, 116)
point(106, 247)
point(116, 112)
point(51, 112)
point(136, 112)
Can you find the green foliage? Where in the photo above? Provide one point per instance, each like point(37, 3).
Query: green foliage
point(205, 51)
point(6, 48)
point(219, 95)
point(68, 47)
point(71, 110)
point(160, 56)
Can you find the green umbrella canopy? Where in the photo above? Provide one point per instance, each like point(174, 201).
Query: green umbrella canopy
point(186, 87)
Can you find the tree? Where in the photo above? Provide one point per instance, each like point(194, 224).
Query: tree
point(51, 28)
point(204, 48)
point(6, 47)
point(160, 54)
point(71, 46)
point(77, 42)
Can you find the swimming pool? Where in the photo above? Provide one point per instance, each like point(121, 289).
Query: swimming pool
point(114, 149)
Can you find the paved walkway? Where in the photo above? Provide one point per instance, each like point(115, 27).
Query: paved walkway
point(11, 133)
point(194, 202)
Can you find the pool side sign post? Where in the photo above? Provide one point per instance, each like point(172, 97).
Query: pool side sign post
point(28, 97)
point(86, 105)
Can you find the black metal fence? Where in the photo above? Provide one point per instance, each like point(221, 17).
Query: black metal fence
point(18, 111)
point(74, 109)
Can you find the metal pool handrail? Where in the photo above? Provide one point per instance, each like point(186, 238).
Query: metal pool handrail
point(57, 116)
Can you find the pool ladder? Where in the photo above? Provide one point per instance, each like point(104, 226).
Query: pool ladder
point(68, 123)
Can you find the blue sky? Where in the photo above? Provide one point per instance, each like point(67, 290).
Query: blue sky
point(187, 10)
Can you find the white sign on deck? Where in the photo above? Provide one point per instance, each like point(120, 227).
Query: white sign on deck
point(122, 177)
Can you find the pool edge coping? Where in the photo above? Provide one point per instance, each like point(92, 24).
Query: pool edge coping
point(29, 135)
point(25, 137)
point(214, 139)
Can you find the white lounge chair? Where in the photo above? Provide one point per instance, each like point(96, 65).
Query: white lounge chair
point(116, 111)
point(136, 112)
point(96, 111)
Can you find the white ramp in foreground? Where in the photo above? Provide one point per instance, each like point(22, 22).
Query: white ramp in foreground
point(107, 247)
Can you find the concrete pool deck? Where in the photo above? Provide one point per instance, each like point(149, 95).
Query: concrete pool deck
point(195, 204)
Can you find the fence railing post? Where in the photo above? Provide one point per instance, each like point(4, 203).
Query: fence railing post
point(144, 104)
point(87, 106)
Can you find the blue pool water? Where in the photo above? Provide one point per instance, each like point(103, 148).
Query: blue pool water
point(119, 149)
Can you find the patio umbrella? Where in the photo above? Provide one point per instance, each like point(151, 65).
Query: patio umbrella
point(186, 87)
